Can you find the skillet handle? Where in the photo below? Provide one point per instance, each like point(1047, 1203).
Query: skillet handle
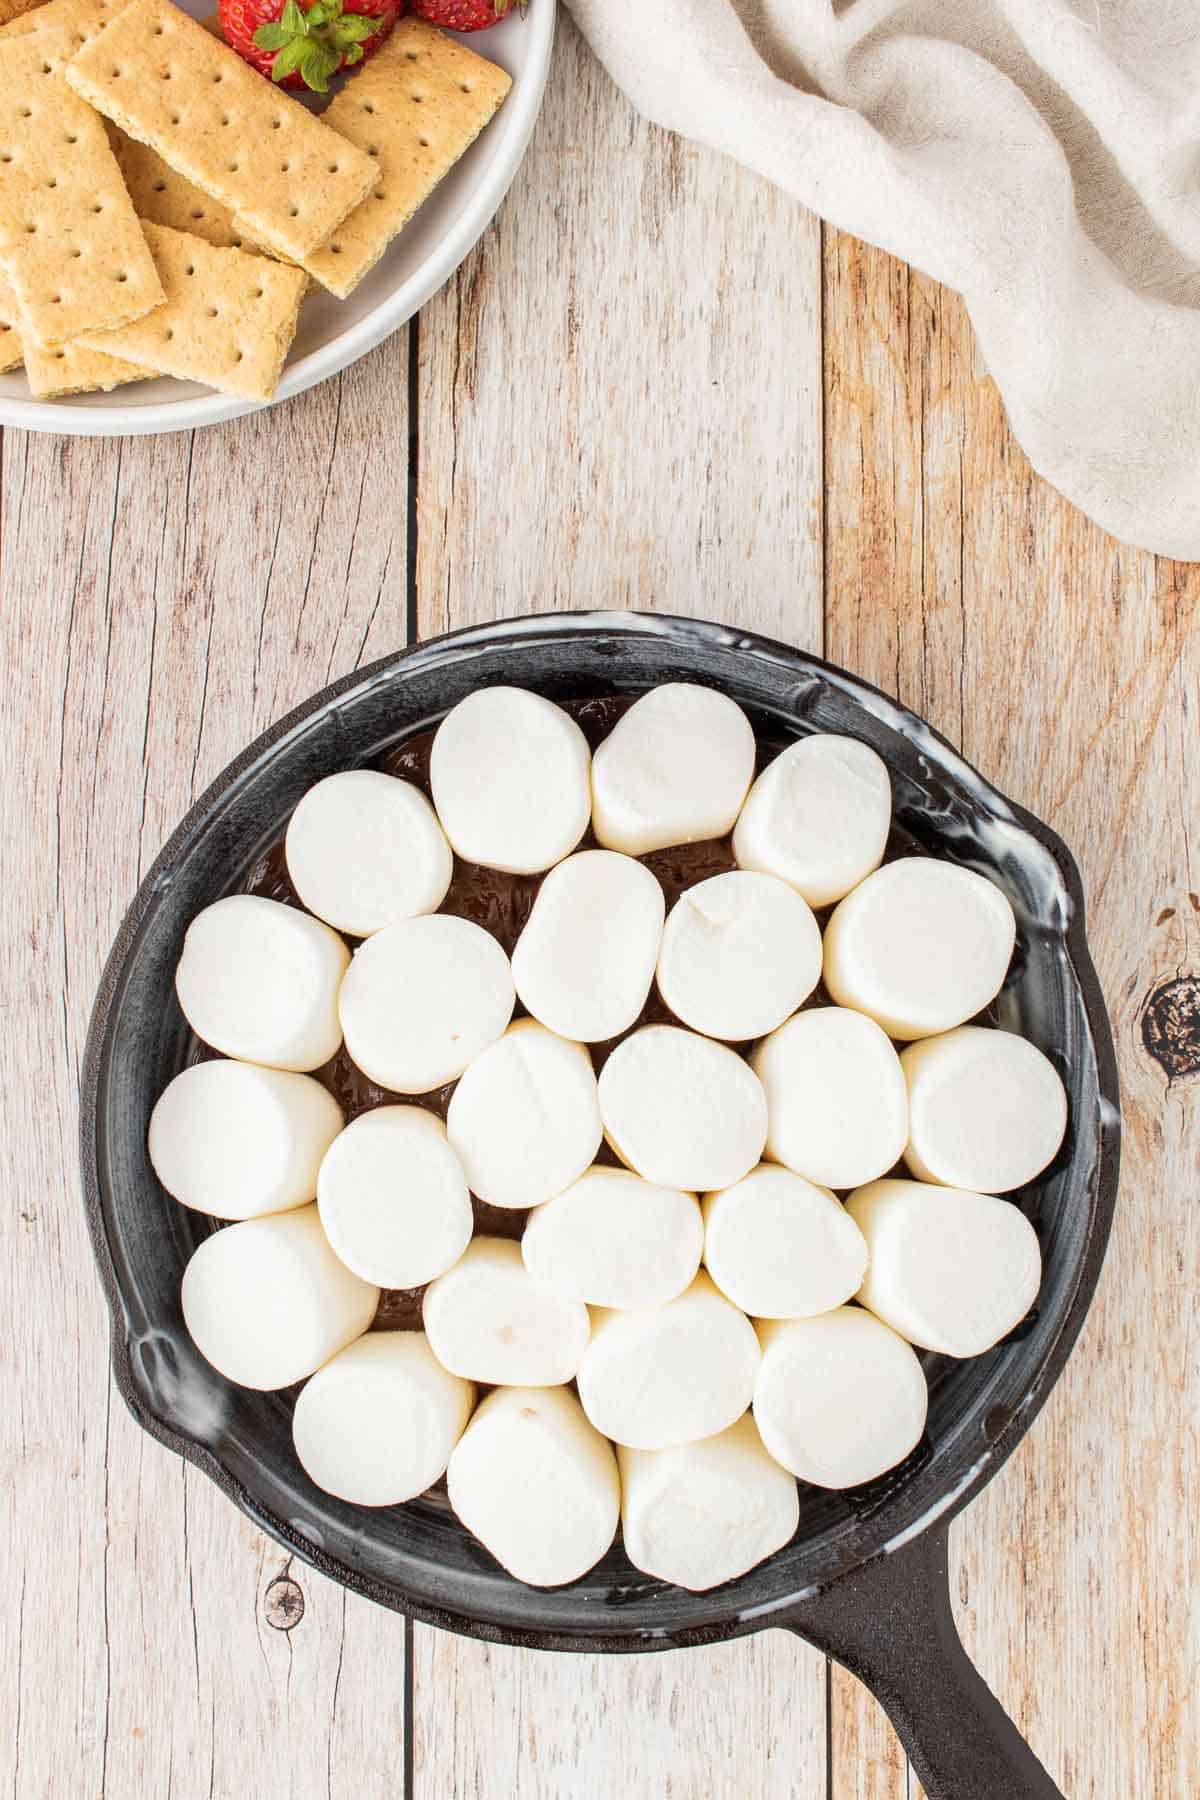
point(890, 1623)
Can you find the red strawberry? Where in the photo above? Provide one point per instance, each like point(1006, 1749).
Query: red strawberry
point(302, 46)
point(465, 15)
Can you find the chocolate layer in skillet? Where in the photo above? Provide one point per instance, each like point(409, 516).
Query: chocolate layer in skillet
point(501, 903)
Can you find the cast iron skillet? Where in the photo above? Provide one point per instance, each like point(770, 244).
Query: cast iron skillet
point(865, 1576)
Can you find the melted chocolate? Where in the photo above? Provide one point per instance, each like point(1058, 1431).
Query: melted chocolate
point(501, 904)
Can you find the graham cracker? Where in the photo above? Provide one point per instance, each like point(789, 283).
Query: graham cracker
point(16, 9)
point(70, 243)
point(160, 194)
point(10, 335)
point(168, 82)
point(68, 370)
point(81, 19)
point(74, 369)
point(229, 318)
point(419, 103)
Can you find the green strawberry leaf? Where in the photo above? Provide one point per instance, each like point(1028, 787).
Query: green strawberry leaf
point(318, 63)
point(355, 28)
point(289, 58)
point(317, 42)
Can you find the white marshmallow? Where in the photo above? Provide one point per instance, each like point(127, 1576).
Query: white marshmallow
point(525, 1118)
point(700, 1514)
point(235, 1141)
point(511, 780)
point(818, 817)
point(669, 1374)
point(986, 1109)
point(259, 980)
point(681, 1110)
point(488, 1320)
point(537, 1486)
point(422, 998)
point(267, 1301)
point(584, 963)
point(393, 1197)
point(951, 1270)
point(739, 954)
point(839, 1398)
point(377, 1424)
point(920, 946)
point(837, 1108)
point(365, 849)
point(674, 770)
point(780, 1247)
point(612, 1239)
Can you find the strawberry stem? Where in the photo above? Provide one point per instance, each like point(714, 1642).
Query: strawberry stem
point(316, 40)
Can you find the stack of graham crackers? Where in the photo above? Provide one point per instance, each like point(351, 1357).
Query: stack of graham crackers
point(164, 208)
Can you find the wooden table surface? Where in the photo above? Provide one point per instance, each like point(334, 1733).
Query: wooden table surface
point(657, 383)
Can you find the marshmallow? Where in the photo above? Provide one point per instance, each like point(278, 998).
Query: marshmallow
point(422, 998)
point(682, 1111)
point(537, 1486)
point(487, 1320)
point(951, 1270)
point(674, 770)
point(365, 850)
point(511, 780)
point(986, 1110)
point(839, 1398)
point(837, 1108)
point(669, 1374)
point(393, 1197)
point(739, 954)
point(700, 1514)
point(525, 1119)
point(235, 1141)
point(377, 1424)
point(920, 946)
point(612, 1239)
point(781, 1248)
point(259, 980)
point(267, 1301)
point(584, 963)
point(818, 817)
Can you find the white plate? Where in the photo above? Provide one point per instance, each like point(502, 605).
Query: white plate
point(334, 333)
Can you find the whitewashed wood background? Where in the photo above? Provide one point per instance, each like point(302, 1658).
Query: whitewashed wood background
point(654, 384)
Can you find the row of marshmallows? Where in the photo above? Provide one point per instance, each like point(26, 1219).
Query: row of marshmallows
point(668, 1362)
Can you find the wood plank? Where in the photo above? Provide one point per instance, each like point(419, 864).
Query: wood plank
point(610, 415)
point(611, 411)
point(163, 600)
point(1066, 666)
point(719, 1724)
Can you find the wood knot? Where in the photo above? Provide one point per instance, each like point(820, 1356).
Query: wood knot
point(1171, 1027)
point(283, 1603)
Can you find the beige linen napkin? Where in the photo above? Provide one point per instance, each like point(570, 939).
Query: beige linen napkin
point(1041, 156)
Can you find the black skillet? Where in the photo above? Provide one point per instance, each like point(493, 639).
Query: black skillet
point(865, 1576)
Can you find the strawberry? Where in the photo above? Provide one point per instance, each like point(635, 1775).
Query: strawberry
point(302, 46)
point(465, 15)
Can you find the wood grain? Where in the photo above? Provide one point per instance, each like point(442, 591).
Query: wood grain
point(1067, 667)
point(162, 601)
point(596, 430)
point(611, 414)
point(619, 401)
